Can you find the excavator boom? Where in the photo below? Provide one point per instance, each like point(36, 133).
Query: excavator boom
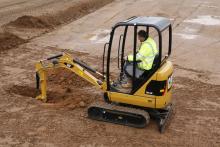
point(66, 61)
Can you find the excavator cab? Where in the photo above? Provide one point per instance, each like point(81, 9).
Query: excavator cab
point(123, 41)
point(150, 93)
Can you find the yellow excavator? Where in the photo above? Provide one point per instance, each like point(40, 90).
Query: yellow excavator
point(150, 94)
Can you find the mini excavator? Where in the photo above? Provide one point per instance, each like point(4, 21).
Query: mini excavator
point(150, 95)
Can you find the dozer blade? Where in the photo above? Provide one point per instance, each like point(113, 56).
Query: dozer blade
point(118, 115)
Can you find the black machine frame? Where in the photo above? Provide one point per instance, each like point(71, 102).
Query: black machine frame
point(128, 23)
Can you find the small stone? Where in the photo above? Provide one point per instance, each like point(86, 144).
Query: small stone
point(82, 104)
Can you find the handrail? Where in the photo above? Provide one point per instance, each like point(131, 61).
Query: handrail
point(119, 48)
point(103, 59)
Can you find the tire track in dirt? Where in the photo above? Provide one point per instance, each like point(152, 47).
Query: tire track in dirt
point(14, 4)
point(26, 7)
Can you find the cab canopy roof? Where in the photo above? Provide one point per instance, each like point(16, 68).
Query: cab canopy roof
point(160, 23)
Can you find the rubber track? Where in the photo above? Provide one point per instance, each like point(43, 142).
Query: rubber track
point(122, 109)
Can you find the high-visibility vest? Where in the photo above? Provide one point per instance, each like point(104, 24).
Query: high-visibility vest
point(146, 54)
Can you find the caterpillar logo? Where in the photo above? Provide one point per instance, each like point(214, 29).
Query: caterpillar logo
point(170, 82)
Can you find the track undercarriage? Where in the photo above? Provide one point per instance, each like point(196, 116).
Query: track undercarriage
point(129, 116)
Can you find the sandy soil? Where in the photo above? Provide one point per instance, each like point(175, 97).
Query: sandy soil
point(28, 35)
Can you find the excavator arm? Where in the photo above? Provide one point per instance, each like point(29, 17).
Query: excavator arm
point(66, 61)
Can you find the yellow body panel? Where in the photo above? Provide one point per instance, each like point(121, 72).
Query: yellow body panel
point(132, 99)
point(142, 99)
point(164, 73)
point(66, 61)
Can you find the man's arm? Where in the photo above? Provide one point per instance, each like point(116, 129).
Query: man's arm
point(138, 55)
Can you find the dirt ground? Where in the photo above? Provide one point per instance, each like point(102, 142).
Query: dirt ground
point(36, 29)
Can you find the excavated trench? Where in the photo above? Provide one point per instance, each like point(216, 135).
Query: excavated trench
point(65, 89)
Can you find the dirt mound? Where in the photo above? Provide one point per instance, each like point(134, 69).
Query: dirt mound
point(45, 23)
point(33, 22)
point(66, 79)
point(73, 89)
point(49, 21)
point(8, 41)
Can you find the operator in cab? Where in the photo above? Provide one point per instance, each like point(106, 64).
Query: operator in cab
point(144, 58)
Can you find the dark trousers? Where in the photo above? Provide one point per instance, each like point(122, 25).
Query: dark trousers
point(128, 68)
